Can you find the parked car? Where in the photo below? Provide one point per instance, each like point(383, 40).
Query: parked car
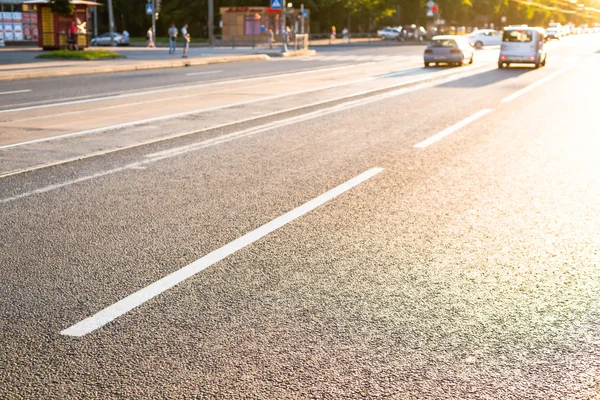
point(104, 40)
point(523, 46)
point(412, 32)
point(553, 33)
point(389, 33)
point(448, 49)
point(485, 37)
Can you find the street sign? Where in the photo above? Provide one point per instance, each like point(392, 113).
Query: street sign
point(429, 13)
point(430, 4)
point(276, 4)
point(149, 9)
point(304, 14)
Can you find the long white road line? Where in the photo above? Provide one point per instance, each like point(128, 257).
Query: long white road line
point(534, 85)
point(138, 298)
point(16, 91)
point(274, 97)
point(154, 157)
point(121, 95)
point(451, 129)
point(203, 73)
point(217, 140)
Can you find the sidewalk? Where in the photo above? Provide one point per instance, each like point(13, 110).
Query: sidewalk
point(21, 63)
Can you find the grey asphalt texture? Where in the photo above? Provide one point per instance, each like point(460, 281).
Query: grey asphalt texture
point(465, 270)
point(48, 90)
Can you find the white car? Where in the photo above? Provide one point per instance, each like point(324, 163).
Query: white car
point(553, 33)
point(523, 46)
point(389, 33)
point(485, 37)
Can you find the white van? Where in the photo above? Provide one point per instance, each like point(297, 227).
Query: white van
point(522, 45)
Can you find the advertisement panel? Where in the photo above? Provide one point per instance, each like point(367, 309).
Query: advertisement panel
point(18, 31)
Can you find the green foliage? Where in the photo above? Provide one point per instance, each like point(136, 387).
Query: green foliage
point(357, 15)
point(61, 7)
point(81, 55)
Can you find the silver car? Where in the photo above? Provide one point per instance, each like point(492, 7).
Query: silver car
point(104, 40)
point(448, 49)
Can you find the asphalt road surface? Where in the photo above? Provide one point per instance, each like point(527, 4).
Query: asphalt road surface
point(347, 226)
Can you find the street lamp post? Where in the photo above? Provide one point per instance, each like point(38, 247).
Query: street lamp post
point(111, 23)
point(284, 36)
point(302, 18)
point(211, 20)
point(154, 21)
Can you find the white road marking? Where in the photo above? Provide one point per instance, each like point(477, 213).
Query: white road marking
point(534, 85)
point(171, 116)
point(168, 89)
point(16, 91)
point(134, 104)
point(111, 95)
point(203, 73)
point(138, 298)
point(452, 129)
point(222, 139)
point(151, 158)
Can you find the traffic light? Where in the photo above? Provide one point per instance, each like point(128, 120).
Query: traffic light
point(435, 9)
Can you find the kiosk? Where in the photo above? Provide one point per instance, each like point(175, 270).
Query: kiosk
point(53, 27)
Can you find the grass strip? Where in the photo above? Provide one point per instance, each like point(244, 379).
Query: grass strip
point(82, 55)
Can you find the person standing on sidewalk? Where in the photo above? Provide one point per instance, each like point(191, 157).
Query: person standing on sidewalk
point(150, 37)
point(186, 40)
point(172, 39)
point(72, 36)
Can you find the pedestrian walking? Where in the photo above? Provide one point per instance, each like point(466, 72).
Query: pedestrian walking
point(271, 38)
point(172, 39)
point(333, 33)
point(346, 34)
point(150, 37)
point(186, 40)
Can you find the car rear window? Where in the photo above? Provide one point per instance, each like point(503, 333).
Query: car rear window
point(442, 43)
point(519, 36)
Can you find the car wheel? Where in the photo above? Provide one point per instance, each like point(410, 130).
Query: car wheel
point(478, 45)
point(471, 60)
point(536, 65)
point(426, 65)
point(544, 62)
point(500, 65)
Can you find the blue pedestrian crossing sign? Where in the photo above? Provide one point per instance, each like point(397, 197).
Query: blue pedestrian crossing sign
point(276, 4)
point(149, 9)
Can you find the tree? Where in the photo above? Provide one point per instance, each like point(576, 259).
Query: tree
point(61, 7)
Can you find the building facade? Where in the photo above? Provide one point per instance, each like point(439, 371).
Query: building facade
point(18, 22)
point(252, 24)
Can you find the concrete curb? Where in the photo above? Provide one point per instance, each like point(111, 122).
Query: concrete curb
point(299, 53)
point(68, 71)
